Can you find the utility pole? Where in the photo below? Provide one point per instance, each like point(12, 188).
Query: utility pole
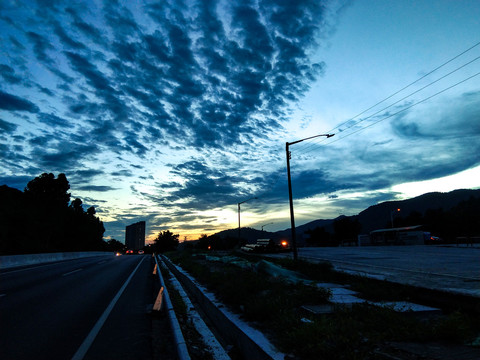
point(292, 216)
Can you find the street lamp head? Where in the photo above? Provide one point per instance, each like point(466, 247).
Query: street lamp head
point(330, 135)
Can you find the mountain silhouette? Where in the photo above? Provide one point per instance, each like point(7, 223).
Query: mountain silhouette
point(373, 218)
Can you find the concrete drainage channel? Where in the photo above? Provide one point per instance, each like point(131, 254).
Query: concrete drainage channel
point(245, 341)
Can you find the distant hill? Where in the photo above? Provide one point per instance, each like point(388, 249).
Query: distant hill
point(372, 218)
point(378, 216)
point(251, 235)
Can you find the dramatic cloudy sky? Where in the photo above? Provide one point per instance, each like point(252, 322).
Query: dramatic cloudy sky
point(174, 111)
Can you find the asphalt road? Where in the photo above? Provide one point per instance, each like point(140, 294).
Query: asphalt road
point(92, 308)
point(447, 268)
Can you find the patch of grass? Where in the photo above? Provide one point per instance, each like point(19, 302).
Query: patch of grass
point(456, 328)
point(368, 289)
point(348, 333)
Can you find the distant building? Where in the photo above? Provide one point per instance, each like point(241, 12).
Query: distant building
point(408, 235)
point(135, 236)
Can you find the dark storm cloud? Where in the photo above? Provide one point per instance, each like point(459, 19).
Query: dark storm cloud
point(122, 173)
point(40, 47)
point(65, 38)
point(53, 120)
point(202, 76)
point(134, 145)
point(100, 83)
point(8, 74)
point(93, 76)
point(64, 156)
point(90, 31)
point(82, 176)
point(131, 77)
point(204, 188)
point(17, 182)
point(14, 103)
point(448, 121)
point(311, 182)
point(238, 73)
point(98, 188)
point(7, 127)
point(45, 91)
point(273, 187)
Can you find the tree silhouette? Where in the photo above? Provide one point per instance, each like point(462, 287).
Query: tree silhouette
point(165, 241)
point(42, 219)
point(347, 229)
point(114, 245)
point(320, 237)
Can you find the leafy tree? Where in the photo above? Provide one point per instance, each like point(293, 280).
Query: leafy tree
point(42, 219)
point(347, 228)
point(216, 242)
point(49, 191)
point(76, 205)
point(320, 237)
point(114, 245)
point(165, 241)
point(203, 243)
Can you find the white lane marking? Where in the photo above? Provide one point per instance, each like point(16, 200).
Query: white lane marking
point(72, 272)
point(82, 350)
point(102, 262)
point(2, 295)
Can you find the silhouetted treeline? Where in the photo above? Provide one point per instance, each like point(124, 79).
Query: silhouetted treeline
point(462, 220)
point(215, 242)
point(43, 219)
point(165, 241)
point(345, 230)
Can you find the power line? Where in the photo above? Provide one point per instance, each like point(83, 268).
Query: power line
point(404, 109)
point(312, 146)
point(407, 86)
point(413, 93)
point(316, 142)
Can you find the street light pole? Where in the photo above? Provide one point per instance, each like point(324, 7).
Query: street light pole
point(239, 214)
point(391, 215)
point(292, 216)
point(266, 225)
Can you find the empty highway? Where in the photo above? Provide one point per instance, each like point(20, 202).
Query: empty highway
point(91, 308)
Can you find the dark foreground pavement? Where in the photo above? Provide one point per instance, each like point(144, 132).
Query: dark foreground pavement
point(94, 308)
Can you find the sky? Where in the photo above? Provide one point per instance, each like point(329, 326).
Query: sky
point(173, 112)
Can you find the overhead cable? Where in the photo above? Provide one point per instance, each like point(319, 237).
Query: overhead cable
point(316, 142)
